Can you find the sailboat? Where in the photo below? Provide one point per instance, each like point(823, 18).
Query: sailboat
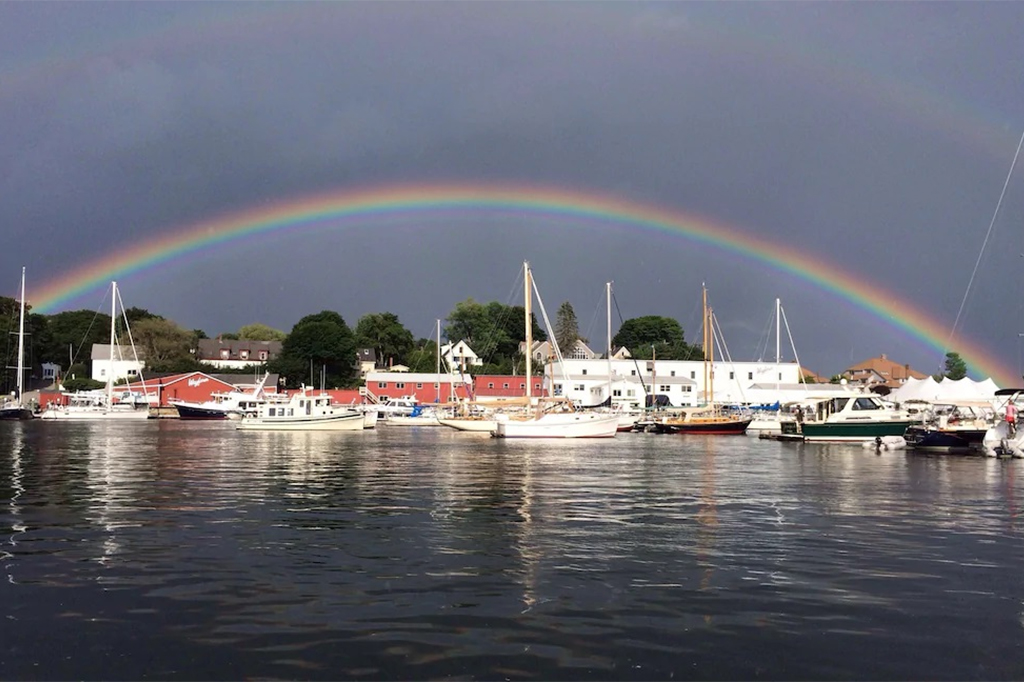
point(550, 417)
point(13, 408)
point(709, 420)
point(102, 406)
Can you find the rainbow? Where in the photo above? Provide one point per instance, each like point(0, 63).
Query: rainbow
point(352, 207)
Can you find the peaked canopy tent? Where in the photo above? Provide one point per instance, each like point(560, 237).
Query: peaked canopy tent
point(945, 391)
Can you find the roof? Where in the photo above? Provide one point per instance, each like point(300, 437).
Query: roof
point(892, 373)
point(211, 348)
point(101, 351)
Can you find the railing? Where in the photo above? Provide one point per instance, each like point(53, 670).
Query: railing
point(368, 394)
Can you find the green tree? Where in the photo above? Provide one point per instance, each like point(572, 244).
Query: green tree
point(567, 329)
point(388, 338)
point(494, 331)
point(423, 357)
point(261, 332)
point(316, 342)
point(71, 334)
point(654, 334)
point(956, 368)
point(163, 345)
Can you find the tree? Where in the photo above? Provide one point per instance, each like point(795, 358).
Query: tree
point(260, 332)
point(567, 329)
point(956, 368)
point(163, 345)
point(494, 331)
point(388, 338)
point(72, 334)
point(423, 358)
point(664, 334)
point(316, 342)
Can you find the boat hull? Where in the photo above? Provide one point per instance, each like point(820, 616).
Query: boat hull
point(944, 440)
point(711, 428)
point(15, 413)
point(131, 414)
point(472, 425)
point(853, 431)
point(568, 425)
point(341, 422)
point(199, 412)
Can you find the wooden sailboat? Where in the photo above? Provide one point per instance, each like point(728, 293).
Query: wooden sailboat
point(710, 419)
point(550, 417)
point(14, 408)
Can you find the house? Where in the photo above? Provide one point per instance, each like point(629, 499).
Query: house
point(460, 355)
point(366, 360)
point(881, 371)
point(193, 386)
point(543, 351)
point(236, 353)
point(124, 365)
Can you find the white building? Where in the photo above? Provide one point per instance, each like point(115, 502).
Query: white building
point(460, 355)
point(124, 365)
point(586, 382)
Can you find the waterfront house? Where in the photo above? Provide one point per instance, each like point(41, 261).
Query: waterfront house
point(124, 365)
point(488, 387)
point(881, 371)
point(460, 355)
point(224, 353)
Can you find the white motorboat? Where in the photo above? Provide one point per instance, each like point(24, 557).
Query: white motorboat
point(304, 411)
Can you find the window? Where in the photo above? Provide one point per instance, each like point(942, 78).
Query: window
point(505, 385)
point(865, 404)
point(584, 372)
point(664, 388)
point(579, 387)
point(522, 386)
point(687, 389)
point(750, 376)
point(617, 393)
point(490, 384)
point(780, 376)
point(133, 372)
point(558, 389)
point(672, 373)
point(103, 372)
point(263, 355)
point(399, 384)
point(632, 372)
point(630, 393)
point(693, 375)
point(382, 384)
point(419, 385)
point(244, 354)
point(732, 375)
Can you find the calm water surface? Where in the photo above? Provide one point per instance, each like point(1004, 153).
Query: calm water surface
point(173, 550)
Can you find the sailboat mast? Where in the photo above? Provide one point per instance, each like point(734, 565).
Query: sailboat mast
point(778, 323)
point(608, 296)
point(704, 339)
point(438, 399)
point(113, 320)
point(21, 340)
point(529, 330)
point(711, 353)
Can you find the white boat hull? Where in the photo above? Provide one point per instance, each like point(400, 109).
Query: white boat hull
point(341, 422)
point(560, 425)
point(473, 425)
point(100, 414)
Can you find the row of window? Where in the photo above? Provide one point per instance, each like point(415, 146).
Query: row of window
point(401, 384)
point(225, 354)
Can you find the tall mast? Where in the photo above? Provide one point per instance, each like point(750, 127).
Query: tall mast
point(529, 329)
point(778, 323)
point(21, 340)
point(704, 340)
point(438, 399)
point(608, 296)
point(711, 348)
point(110, 370)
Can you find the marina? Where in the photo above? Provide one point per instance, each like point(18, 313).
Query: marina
point(188, 550)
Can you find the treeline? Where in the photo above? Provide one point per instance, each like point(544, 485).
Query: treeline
point(321, 343)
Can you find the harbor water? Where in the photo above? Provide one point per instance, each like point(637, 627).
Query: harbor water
point(184, 551)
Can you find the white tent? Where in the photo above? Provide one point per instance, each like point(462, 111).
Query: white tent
point(945, 391)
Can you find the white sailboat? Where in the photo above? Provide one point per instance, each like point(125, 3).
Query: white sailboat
point(14, 407)
point(550, 417)
point(96, 406)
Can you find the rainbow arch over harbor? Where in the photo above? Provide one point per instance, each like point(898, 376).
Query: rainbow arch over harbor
point(351, 207)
